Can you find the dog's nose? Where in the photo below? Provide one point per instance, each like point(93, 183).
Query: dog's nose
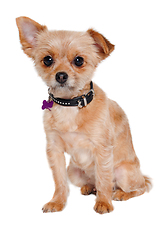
point(61, 77)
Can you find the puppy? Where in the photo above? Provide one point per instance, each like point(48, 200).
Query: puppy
point(80, 120)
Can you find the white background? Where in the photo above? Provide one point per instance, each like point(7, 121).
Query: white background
point(130, 76)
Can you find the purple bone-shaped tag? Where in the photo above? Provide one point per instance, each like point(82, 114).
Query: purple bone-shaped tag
point(47, 105)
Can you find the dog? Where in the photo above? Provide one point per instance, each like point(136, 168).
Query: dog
point(79, 118)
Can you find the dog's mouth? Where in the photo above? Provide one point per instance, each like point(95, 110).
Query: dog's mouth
point(63, 90)
point(64, 86)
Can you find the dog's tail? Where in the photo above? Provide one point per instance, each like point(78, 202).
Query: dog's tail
point(148, 183)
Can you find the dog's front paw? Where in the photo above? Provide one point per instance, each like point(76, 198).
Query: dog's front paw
point(103, 207)
point(53, 207)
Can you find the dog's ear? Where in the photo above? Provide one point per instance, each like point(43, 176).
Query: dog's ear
point(104, 47)
point(28, 30)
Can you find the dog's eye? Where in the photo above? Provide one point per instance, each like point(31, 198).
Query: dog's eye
point(48, 60)
point(78, 61)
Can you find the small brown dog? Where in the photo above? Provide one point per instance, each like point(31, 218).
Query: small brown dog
point(83, 122)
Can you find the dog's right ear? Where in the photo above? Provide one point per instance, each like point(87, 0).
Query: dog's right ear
point(28, 31)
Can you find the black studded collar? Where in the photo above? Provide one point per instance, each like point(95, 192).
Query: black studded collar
point(81, 101)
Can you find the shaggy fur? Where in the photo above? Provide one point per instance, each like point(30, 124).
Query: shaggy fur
point(97, 137)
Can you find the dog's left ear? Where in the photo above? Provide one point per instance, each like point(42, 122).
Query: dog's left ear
point(104, 47)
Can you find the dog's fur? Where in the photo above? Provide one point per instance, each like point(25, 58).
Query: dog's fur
point(97, 137)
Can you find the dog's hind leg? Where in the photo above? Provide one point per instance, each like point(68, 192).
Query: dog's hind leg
point(79, 178)
point(76, 175)
point(129, 182)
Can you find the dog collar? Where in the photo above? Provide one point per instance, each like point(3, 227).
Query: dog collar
point(81, 101)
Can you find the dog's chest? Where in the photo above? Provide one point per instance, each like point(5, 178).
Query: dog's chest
point(65, 118)
point(77, 144)
point(80, 147)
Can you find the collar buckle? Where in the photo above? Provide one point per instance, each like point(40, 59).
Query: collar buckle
point(80, 104)
point(84, 100)
point(92, 90)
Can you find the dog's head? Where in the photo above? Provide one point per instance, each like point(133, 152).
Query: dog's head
point(65, 60)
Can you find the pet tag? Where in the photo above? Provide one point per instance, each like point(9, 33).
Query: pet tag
point(47, 105)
